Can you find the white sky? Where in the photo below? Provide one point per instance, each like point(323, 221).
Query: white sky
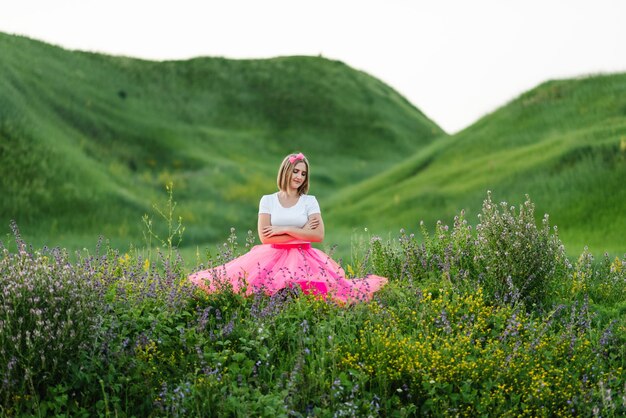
point(456, 60)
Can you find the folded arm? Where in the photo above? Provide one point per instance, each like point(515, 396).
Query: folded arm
point(312, 231)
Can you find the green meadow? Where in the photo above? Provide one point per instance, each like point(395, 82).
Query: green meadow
point(563, 143)
point(90, 142)
point(492, 311)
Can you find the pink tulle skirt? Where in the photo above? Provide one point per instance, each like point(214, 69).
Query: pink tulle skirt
point(271, 267)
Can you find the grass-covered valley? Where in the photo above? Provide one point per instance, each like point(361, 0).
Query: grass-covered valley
point(563, 143)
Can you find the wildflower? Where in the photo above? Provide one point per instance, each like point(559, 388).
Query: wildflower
point(305, 326)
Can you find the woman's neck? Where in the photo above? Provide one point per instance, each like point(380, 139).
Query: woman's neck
point(289, 194)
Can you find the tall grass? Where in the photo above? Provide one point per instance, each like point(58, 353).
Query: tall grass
point(439, 339)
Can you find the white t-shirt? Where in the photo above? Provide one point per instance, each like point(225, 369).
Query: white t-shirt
point(296, 215)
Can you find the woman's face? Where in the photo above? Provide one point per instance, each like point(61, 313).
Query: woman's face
point(298, 175)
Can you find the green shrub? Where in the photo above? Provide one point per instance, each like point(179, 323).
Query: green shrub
point(603, 281)
point(515, 258)
point(506, 254)
point(50, 313)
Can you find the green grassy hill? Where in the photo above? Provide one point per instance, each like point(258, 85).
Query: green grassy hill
point(563, 143)
point(88, 141)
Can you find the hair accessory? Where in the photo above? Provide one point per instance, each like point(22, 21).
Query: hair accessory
point(296, 157)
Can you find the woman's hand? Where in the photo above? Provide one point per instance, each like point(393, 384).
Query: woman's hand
point(312, 223)
point(271, 231)
point(312, 231)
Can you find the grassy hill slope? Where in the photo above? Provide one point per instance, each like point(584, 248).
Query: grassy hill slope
point(563, 143)
point(88, 141)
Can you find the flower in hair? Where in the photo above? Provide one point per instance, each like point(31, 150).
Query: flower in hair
point(296, 157)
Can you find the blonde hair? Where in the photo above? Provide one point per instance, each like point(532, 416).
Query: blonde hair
point(286, 170)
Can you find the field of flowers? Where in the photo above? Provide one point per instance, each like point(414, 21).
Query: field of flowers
point(491, 319)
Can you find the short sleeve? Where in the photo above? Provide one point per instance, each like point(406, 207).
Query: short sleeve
point(264, 205)
point(312, 207)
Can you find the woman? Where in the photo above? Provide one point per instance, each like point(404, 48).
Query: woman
point(289, 220)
